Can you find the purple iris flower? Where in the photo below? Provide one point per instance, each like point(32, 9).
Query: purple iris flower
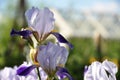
point(41, 25)
point(101, 71)
point(24, 33)
point(41, 21)
point(51, 56)
point(63, 73)
point(52, 59)
point(9, 73)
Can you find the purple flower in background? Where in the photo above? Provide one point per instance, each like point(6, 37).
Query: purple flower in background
point(41, 24)
point(52, 59)
point(25, 69)
point(101, 71)
point(9, 73)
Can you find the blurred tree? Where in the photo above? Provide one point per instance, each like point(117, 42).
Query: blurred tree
point(16, 46)
point(19, 17)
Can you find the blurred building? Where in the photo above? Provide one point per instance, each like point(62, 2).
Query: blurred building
point(88, 23)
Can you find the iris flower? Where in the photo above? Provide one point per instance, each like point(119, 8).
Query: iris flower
point(51, 59)
point(41, 25)
point(101, 71)
point(9, 73)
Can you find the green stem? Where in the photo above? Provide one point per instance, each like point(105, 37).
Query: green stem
point(38, 73)
point(52, 78)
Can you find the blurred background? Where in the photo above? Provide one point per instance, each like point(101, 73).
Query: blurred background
point(92, 26)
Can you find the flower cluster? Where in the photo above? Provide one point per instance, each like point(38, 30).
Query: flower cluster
point(47, 61)
point(51, 58)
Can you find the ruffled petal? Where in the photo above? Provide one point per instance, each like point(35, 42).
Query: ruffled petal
point(110, 67)
point(31, 15)
point(25, 70)
point(51, 55)
point(62, 73)
point(24, 33)
point(41, 21)
point(61, 39)
point(100, 71)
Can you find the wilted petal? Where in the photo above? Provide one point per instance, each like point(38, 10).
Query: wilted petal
point(24, 33)
point(40, 20)
point(62, 73)
point(61, 39)
point(51, 55)
point(25, 70)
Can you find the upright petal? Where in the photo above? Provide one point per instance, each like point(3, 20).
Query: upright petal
point(40, 20)
point(31, 16)
point(51, 56)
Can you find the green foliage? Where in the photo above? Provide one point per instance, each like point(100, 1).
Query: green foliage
point(84, 52)
point(11, 52)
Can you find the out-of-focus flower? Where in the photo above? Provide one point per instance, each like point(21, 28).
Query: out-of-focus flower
point(25, 69)
point(41, 25)
point(101, 71)
point(51, 59)
point(9, 73)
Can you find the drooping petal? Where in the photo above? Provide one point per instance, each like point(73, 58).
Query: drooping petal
point(61, 39)
point(25, 70)
point(24, 33)
point(62, 73)
point(40, 20)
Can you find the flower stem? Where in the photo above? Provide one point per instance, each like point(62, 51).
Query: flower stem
point(38, 73)
point(52, 78)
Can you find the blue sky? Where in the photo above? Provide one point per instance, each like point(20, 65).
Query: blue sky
point(67, 3)
point(60, 3)
point(64, 4)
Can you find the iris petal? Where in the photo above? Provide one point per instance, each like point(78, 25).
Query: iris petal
point(62, 39)
point(41, 20)
point(62, 72)
point(31, 15)
point(24, 33)
point(25, 70)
